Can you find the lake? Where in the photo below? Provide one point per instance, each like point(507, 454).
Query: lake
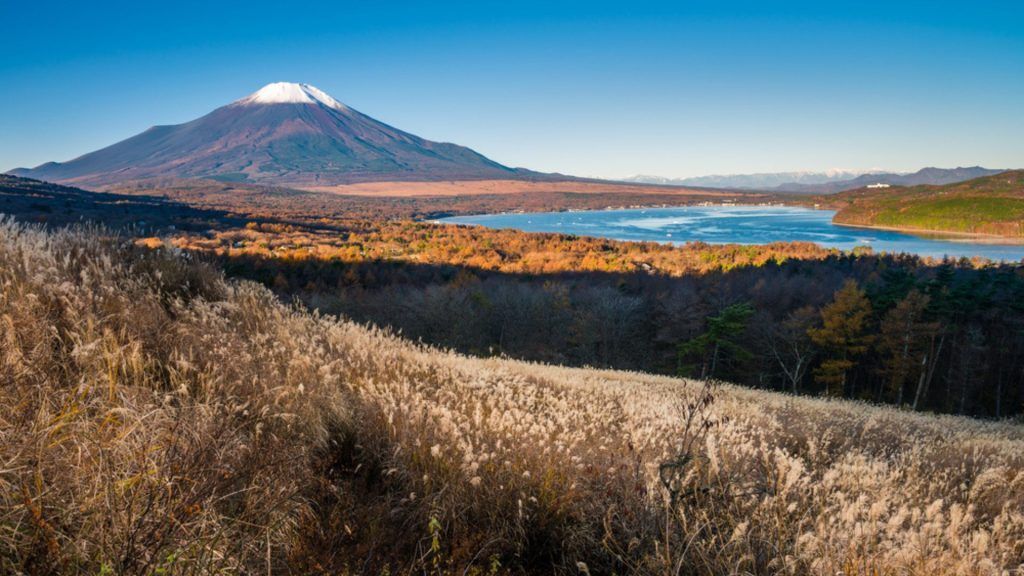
point(735, 224)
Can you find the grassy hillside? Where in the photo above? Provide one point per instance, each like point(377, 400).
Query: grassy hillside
point(992, 205)
point(157, 419)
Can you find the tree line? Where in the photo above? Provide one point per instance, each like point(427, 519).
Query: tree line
point(882, 328)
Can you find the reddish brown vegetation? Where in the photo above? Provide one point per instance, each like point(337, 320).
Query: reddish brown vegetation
point(485, 249)
point(501, 187)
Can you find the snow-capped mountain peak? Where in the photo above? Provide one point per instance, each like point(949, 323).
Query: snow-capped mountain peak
point(291, 93)
point(283, 134)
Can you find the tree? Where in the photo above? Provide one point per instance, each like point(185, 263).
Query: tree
point(967, 367)
point(946, 306)
point(895, 284)
point(843, 335)
point(607, 324)
point(718, 344)
point(790, 345)
point(903, 343)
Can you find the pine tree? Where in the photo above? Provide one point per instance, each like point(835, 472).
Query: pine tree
point(718, 345)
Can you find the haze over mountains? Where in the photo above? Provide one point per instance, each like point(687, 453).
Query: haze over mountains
point(823, 182)
point(284, 133)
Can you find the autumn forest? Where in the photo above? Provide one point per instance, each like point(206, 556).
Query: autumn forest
point(943, 336)
point(924, 334)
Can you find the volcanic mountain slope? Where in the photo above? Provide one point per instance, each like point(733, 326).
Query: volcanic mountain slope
point(283, 134)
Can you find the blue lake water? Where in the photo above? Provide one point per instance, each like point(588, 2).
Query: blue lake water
point(735, 224)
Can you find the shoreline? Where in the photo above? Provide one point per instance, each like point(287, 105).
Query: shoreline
point(947, 235)
point(963, 239)
point(614, 209)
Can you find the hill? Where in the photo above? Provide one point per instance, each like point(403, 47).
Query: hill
point(931, 176)
point(146, 212)
point(992, 205)
point(156, 418)
point(553, 297)
point(282, 134)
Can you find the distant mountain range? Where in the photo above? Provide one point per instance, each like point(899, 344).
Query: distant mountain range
point(933, 176)
point(824, 182)
point(759, 181)
point(285, 134)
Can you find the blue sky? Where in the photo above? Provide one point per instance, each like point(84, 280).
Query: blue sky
point(587, 88)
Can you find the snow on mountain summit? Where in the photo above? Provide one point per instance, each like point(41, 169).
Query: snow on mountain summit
point(291, 93)
point(285, 133)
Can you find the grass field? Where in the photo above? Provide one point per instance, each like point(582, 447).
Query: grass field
point(518, 187)
point(157, 419)
point(964, 214)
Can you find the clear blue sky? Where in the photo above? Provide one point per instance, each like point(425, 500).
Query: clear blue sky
point(587, 88)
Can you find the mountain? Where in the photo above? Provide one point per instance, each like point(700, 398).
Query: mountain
point(284, 133)
point(759, 181)
point(823, 182)
point(991, 205)
point(932, 176)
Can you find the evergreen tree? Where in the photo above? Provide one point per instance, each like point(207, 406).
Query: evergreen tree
point(718, 345)
point(895, 284)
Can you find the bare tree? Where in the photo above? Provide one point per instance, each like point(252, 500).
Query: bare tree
point(791, 347)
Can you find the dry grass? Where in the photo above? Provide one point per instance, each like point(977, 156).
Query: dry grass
point(152, 416)
point(489, 187)
point(157, 419)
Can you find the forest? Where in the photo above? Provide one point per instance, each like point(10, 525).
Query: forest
point(895, 329)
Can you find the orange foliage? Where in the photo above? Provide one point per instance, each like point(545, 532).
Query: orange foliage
point(482, 248)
